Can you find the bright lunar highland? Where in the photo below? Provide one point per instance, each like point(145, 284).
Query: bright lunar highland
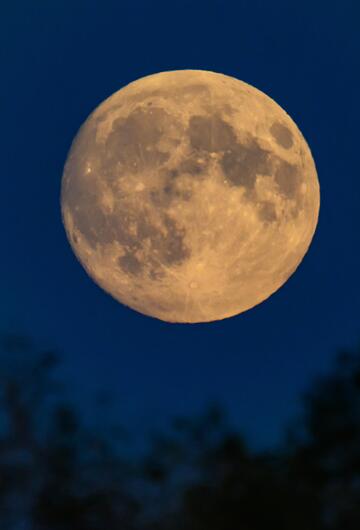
point(189, 196)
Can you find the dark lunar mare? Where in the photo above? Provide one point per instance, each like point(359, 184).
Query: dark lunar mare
point(241, 163)
point(288, 178)
point(282, 135)
point(133, 141)
point(131, 147)
point(168, 249)
point(210, 133)
point(267, 212)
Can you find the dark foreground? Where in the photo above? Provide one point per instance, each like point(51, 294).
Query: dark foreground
point(56, 473)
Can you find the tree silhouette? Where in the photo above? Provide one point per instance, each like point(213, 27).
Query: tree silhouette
point(56, 473)
point(227, 486)
point(326, 455)
point(312, 481)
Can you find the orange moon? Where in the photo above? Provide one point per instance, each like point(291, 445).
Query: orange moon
point(189, 196)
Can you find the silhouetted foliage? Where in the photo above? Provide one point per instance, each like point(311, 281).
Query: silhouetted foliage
point(56, 473)
point(227, 487)
point(326, 458)
point(312, 482)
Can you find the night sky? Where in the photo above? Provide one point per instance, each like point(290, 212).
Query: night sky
point(59, 60)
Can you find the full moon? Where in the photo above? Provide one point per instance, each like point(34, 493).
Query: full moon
point(189, 196)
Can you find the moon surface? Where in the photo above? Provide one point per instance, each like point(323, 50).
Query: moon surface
point(189, 196)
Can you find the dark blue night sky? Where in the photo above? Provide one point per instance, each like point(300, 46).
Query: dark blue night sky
point(59, 60)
